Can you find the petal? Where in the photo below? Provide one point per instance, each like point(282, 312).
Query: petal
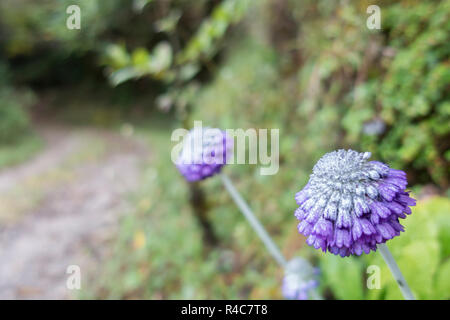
point(371, 191)
point(330, 212)
point(301, 196)
point(311, 239)
point(367, 227)
point(406, 199)
point(308, 204)
point(304, 228)
point(340, 235)
point(323, 228)
point(356, 230)
point(379, 209)
point(299, 214)
point(357, 248)
point(383, 231)
point(313, 215)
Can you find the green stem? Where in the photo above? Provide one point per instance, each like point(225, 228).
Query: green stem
point(395, 270)
point(254, 222)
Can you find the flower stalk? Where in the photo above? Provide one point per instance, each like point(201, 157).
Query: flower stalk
point(254, 222)
point(395, 270)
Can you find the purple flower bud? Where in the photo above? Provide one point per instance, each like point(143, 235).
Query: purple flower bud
point(205, 151)
point(350, 204)
point(299, 280)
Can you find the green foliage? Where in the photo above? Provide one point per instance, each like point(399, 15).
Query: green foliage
point(16, 140)
point(322, 81)
point(14, 120)
point(161, 254)
point(140, 63)
point(204, 44)
point(400, 76)
point(343, 276)
point(339, 93)
point(415, 91)
point(421, 253)
point(249, 78)
point(30, 24)
point(158, 62)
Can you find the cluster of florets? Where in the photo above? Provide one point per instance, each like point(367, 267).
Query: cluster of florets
point(350, 204)
point(205, 151)
point(300, 280)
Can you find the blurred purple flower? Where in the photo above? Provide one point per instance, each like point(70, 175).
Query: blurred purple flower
point(375, 127)
point(349, 204)
point(300, 280)
point(205, 151)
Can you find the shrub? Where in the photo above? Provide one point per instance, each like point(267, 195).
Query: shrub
point(14, 120)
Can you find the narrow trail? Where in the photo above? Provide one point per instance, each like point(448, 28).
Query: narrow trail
point(62, 208)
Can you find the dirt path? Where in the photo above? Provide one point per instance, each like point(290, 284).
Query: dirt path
point(61, 208)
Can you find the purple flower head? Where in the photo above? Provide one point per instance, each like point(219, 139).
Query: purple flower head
point(205, 151)
point(349, 204)
point(300, 279)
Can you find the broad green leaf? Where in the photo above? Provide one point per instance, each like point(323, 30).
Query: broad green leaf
point(343, 275)
point(441, 288)
point(419, 262)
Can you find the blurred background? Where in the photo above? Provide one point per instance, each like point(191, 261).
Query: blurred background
point(86, 117)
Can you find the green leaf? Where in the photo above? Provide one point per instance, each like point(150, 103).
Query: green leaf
point(169, 23)
point(117, 56)
point(418, 252)
point(161, 57)
point(188, 71)
point(344, 276)
point(138, 5)
point(419, 262)
point(442, 282)
point(140, 58)
point(124, 74)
